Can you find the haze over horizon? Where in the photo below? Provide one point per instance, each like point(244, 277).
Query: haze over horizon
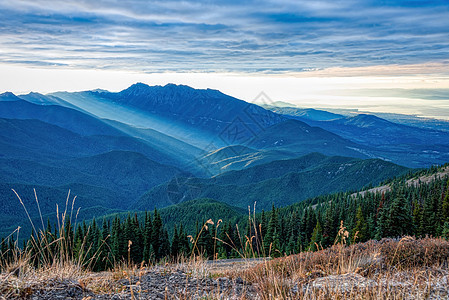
point(388, 56)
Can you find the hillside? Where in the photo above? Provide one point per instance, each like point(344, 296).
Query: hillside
point(36, 140)
point(298, 137)
point(92, 201)
point(416, 181)
point(279, 168)
point(63, 117)
point(198, 211)
point(165, 148)
point(290, 183)
point(303, 113)
point(126, 175)
point(238, 157)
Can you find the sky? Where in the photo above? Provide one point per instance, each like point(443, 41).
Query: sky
point(379, 55)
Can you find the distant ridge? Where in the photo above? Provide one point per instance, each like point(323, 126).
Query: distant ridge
point(280, 182)
point(8, 96)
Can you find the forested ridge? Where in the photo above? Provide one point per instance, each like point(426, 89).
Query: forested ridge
point(417, 210)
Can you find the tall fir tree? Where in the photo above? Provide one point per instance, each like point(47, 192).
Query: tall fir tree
point(359, 233)
point(399, 219)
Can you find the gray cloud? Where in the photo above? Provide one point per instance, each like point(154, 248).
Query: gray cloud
point(268, 36)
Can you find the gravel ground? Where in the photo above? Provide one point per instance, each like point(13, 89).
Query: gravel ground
point(156, 283)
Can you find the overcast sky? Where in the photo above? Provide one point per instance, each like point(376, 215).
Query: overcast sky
point(373, 55)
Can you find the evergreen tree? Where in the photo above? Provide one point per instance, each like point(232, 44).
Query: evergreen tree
point(175, 243)
point(445, 232)
point(184, 246)
point(272, 233)
point(317, 236)
point(164, 249)
point(370, 227)
point(429, 222)
point(445, 208)
point(399, 220)
point(117, 241)
point(360, 227)
point(417, 218)
point(78, 243)
point(156, 234)
point(148, 252)
point(328, 227)
point(382, 222)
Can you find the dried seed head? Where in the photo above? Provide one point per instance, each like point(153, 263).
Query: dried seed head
point(191, 239)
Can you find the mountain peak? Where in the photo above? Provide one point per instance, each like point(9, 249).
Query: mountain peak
point(366, 120)
point(367, 117)
point(143, 90)
point(8, 96)
point(136, 88)
point(100, 91)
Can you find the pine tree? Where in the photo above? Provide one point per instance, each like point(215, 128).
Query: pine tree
point(317, 236)
point(184, 246)
point(225, 242)
point(137, 240)
point(147, 238)
point(399, 220)
point(445, 208)
point(104, 260)
point(272, 232)
point(445, 232)
point(175, 243)
point(164, 249)
point(417, 218)
point(328, 228)
point(360, 227)
point(276, 245)
point(429, 220)
point(117, 241)
point(78, 243)
point(371, 227)
point(381, 228)
point(156, 234)
point(68, 236)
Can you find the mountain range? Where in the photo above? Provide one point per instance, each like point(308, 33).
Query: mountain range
point(154, 146)
point(403, 144)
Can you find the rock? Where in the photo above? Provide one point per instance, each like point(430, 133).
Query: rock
point(343, 283)
point(239, 280)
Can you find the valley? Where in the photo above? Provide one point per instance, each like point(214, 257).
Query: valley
point(141, 149)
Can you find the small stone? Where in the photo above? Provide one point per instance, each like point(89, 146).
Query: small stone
point(343, 282)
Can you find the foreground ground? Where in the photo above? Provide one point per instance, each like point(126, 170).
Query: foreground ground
point(386, 269)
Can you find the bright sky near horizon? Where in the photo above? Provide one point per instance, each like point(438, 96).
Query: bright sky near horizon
point(384, 56)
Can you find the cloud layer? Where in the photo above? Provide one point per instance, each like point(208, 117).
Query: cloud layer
point(258, 36)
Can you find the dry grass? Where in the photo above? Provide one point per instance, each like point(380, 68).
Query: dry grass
point(386, 269)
